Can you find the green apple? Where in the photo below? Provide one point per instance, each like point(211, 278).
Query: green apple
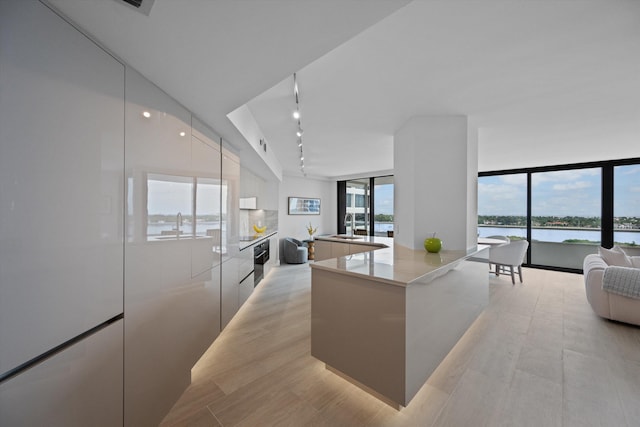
point(432, 244)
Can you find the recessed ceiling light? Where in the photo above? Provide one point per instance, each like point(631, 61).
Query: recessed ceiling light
point(299, 132)
point(296, 114)
point(146, 114)
point(183, 133)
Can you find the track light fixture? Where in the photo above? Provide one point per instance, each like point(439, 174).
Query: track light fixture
point(296, 115)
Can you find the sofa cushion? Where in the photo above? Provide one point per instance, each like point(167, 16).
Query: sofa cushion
point(615, 256)
point(635, 261)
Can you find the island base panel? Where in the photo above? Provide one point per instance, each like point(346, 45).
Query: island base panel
point(389, 339)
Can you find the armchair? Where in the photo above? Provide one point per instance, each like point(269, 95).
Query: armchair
point(295, 252)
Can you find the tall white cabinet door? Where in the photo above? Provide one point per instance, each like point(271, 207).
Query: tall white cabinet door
point(161, 299)
point(206, 248)
point(80, 386)
point(230, 203)
point(61, 181)
point(230, 235)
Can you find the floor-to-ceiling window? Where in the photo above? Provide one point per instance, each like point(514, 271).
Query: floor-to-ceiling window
point(566, 212)
point(357, 213)
point(626, 206)
point(383, 206)
point(365, 206)
point(502, 206)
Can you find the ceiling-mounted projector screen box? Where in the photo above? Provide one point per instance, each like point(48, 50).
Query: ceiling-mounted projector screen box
point(304, 206)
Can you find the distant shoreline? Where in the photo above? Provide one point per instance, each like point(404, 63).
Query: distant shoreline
point(626, 230)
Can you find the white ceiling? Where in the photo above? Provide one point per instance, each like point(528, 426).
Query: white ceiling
point(545, 82)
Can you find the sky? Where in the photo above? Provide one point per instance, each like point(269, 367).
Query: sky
point(383, 199)
point(563, 193)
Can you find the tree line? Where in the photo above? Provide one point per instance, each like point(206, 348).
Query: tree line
point(621, 222)
point(541, 221)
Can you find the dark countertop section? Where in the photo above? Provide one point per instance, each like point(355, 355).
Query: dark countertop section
point(246, 241)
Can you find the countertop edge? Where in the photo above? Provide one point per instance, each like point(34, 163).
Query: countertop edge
point(419, 280)
point(245, 245)
point(359, 240)
point(359, 275)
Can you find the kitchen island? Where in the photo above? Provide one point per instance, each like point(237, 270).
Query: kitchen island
point(384, 319)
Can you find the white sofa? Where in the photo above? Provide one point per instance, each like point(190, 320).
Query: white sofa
point(607, 304)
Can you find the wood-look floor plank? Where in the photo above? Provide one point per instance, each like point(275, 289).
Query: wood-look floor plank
point(536, 356)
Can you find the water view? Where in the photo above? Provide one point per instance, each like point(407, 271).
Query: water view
point(626, 237)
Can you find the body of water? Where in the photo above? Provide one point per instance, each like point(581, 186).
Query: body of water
point(155, 229)
point(559, 235)
point(382, 227)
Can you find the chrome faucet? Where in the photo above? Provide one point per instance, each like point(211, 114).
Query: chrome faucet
point(353, 224)
point(179, 222)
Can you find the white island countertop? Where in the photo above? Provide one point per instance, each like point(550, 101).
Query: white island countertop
point(392, 263)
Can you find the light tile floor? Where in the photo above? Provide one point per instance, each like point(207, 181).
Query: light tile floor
point(537, 356)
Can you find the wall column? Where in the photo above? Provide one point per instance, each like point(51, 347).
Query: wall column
point(432, 187)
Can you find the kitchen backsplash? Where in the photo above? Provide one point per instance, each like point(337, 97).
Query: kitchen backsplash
point(258, 217)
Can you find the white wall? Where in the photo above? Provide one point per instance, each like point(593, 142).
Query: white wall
point(431, 170)
point(472, 186)
point(295, 225)
point(243, 119)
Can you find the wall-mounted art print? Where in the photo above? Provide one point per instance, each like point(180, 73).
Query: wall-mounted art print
point(304, 206)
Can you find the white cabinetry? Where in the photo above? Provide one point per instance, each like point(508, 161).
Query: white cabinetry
point(245, 275)
point(245, 290)
point(172, 279)
point(61, 204)
point(252, 185)
point(230, 239)
point(206, 166)
point(80, 386)
point(61, 173)
point(273, 254)
point(229, 291)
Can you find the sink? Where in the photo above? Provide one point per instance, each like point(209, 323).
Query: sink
point(345, 237)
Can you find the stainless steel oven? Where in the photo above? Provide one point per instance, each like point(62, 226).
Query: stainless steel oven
point(260, 257)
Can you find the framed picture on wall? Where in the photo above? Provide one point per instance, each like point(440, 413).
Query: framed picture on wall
point(304, 206)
